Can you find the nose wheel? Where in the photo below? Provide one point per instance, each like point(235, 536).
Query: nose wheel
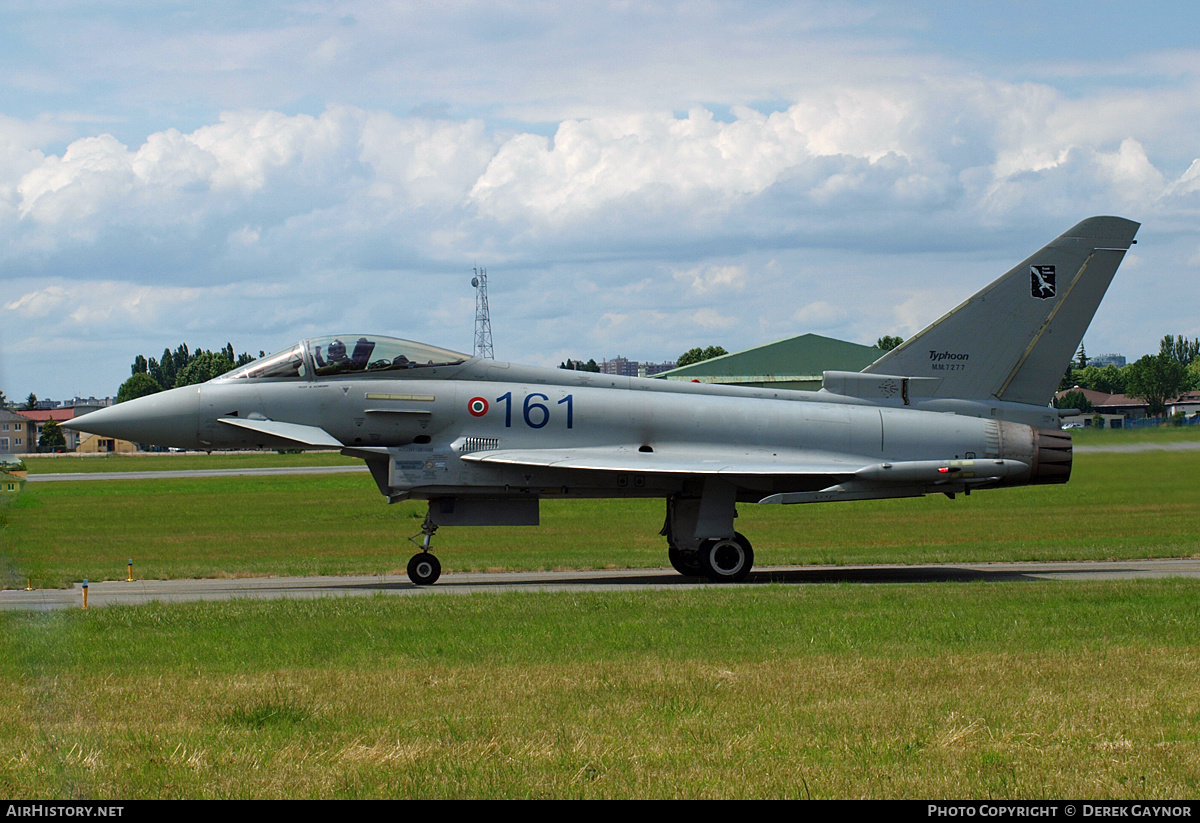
point(424, 569)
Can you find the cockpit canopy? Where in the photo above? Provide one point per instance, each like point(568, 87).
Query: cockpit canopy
point(325, 356)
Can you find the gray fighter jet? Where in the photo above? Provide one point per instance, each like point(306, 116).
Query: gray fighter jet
point(958, 407)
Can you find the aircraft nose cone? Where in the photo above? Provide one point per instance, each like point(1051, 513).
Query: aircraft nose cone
point(169, 418)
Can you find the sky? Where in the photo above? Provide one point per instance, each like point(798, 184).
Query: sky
point(636, 178)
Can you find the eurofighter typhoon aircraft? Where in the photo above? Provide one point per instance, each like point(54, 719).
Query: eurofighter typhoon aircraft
point(963, 405)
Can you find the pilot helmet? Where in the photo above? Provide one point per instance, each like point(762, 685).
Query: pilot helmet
point(337, 349)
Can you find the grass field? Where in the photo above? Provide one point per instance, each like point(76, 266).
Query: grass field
point(1159, 434)
point(999, 690)
point(1049, 690)
point(1116, 506)
point(167, 461)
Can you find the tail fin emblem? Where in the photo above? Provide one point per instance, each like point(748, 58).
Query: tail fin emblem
point(1041, 282)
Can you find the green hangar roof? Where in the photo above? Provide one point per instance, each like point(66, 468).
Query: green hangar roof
point(794, 363)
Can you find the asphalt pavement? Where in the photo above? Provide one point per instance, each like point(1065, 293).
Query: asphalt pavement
point(120, 592)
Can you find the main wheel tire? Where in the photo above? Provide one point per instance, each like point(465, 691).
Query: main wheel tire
point(424, 569)
point(686, 563)
point(726, 560)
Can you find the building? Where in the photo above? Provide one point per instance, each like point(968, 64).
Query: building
point(1102, 360)
point(1188, 403)
point(12, 476)
point(632, 368)
point(794, 363)
point(620, 366)
point(86, 404)
point(18, 434)
point(652, 369)
point(1114, 408)
point(59, 416)
point(95, 444)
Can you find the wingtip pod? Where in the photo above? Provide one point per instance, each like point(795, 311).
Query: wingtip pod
point(1013, 339)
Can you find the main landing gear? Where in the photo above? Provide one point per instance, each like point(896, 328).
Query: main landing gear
point(424, 569)
point(726, 559)
point(685, 562)
point(721, 560)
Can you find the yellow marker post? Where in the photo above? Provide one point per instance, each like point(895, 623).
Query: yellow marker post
point(85, 594)
point(130, 578)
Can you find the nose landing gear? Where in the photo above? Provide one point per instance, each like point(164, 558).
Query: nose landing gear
point(424, 569)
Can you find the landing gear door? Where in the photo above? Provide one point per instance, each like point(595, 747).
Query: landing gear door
point(458, 511)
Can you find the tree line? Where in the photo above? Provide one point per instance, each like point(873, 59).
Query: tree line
point(182, 367)
point(579, 365)
point(1155, 378)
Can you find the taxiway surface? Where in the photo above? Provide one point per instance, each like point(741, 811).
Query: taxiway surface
point(120, 592)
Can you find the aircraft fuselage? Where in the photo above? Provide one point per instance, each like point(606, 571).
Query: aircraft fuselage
point(962, 405)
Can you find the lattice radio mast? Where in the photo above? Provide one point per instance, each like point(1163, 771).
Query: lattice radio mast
point(483, 321)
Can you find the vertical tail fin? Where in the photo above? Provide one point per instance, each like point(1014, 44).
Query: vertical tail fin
point(1014, 339)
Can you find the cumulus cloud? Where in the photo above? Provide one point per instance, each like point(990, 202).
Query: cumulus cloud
point(709, 318)
point(776, 177)
point(659, 161)
point(820, 315)
point(20, 153)
point(422, 162)
point(657, 214)
point(40, 303)
point(1188, 182)
point(704, 279)
point(1129, 171)
point(245, 236)
point(919, 310)
point(91, 174)
point(957, 146)
point(91, 306)
point(249, 147)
